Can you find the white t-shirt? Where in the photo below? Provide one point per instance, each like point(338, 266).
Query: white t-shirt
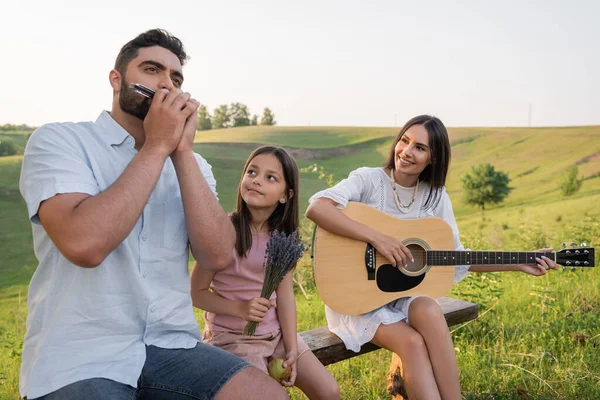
point(372, 186)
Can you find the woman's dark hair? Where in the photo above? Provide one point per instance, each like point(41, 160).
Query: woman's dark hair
point(285, 216)
point(153, 37)
point(439, 148)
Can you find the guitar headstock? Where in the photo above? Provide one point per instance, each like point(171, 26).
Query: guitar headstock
point(575, 256)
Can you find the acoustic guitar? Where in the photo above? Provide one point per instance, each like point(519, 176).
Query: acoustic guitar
point(353, 278)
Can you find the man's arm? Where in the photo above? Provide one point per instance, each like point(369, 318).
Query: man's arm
point(211, 233)
point(86, 229)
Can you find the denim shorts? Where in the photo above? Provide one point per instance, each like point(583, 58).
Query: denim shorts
point(168, 374)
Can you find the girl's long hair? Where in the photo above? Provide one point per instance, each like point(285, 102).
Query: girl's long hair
point(439, 147)
point(285, 216)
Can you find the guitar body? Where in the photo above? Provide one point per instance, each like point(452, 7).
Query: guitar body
point(341, 264)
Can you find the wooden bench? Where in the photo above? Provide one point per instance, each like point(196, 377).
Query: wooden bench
point(330, 349)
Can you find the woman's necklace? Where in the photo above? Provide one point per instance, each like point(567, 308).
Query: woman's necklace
point(401, 207)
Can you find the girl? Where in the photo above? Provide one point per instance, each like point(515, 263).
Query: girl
point(410, 185)
point(267, 200)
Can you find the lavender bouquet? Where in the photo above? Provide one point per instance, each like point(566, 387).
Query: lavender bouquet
point(283, 252)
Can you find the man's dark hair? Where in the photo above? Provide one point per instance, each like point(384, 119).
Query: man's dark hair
point(153, 37)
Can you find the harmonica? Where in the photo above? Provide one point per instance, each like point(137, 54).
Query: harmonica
point(143, 90)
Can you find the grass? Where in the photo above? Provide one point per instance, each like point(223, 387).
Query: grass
point(300, 137)
point(535, 337)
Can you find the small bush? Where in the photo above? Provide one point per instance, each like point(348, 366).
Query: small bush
point(568, 183)
point(8, 148)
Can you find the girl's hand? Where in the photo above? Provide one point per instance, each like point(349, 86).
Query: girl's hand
point(256, 309)
point(541, 268)
point(290, 359)
point(392, 249)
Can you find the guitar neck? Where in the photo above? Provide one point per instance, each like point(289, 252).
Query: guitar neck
point(453, 257)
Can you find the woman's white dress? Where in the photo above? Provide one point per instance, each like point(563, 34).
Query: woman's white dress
point(372, 186)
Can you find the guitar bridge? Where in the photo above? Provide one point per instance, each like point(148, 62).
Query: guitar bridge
point(370, 262)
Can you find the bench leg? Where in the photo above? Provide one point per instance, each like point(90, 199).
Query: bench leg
point(395, 382)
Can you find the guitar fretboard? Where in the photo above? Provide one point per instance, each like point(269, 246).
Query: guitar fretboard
point(452, 257)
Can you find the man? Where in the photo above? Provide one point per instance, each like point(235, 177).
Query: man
point(115, 207)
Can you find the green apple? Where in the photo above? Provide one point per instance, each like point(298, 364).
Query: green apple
point(277, 371)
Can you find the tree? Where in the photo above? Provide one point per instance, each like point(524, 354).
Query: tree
point(568, 182)
point(240, 116)
point(221, 117)
point(485, 185)
point(13, 128)
point(268, 118)
point(254, 120)
point(8, 148)
point(204, 122)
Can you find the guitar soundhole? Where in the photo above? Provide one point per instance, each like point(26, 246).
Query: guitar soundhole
point(419, 266)
point(392, 279)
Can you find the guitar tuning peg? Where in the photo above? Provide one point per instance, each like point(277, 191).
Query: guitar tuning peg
point(573, 269)
point(564, 268)
point(583, 245)
point(564, 245)
point(573, 244)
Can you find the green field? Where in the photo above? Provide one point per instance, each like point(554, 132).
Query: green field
point(535, 337)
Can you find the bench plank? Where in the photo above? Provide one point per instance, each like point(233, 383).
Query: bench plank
point(330, 349)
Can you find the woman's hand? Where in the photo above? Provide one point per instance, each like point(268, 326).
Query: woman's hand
point(541, 268)
point(256, 309)
point(392, 249)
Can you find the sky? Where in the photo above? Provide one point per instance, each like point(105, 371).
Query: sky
point(318, 63)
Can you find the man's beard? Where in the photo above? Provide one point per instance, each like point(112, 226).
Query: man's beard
point(132, 102)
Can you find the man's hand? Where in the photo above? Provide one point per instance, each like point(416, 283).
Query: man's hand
point(189, 130)
point(166, 119)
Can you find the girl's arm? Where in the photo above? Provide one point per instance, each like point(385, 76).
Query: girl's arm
point(286, 314)
point(207, 300)
point(324, 212)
